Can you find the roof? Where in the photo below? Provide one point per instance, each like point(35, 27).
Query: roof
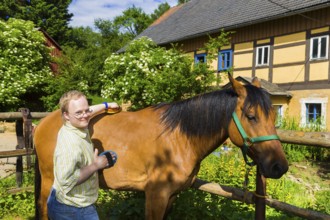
point(200, 17)
point(50, 38)
point(271, 88)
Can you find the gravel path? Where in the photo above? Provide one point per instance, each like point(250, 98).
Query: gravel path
point(8, 141)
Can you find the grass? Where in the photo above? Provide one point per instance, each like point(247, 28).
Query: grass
point(306, 185)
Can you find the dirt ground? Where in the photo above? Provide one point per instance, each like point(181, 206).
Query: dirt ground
point(8, 141)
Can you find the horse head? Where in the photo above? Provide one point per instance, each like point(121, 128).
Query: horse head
point(253, 129)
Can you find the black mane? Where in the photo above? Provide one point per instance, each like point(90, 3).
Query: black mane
point(209, 113)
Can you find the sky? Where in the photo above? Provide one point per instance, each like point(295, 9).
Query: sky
point(86, 11)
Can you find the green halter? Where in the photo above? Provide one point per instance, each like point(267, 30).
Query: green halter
point(248, 141)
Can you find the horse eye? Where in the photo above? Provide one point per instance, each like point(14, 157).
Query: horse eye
point(251, 117)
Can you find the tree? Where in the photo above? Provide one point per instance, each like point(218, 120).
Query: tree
point(133, 20)
point(24, 61)
point(50, 15)
point(83, 61)
point(182, 1)
point(162, 8)
point(147, 74)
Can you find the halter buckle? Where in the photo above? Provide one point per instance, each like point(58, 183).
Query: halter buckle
point(248, 142)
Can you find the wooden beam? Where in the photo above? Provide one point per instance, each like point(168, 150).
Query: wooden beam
point(17, 115)
point(16, 153)
point(317, 139)
point(249, 198)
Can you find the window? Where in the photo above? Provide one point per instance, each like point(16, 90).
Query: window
point(313, 112)
point(200, 58)
point(319, 47)
point(262, 56)
point(279, 114)
point(225, 59)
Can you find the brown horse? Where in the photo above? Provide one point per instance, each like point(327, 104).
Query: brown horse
point(161, 147)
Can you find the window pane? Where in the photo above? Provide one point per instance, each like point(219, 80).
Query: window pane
point(315, 48)
point(317, 110)
point(313, 112)
point(200, 58)
point(259, 56)
point(224, 60)
point(323, 46)
point(265, 55)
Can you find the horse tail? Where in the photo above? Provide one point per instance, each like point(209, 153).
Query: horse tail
point(37, 187)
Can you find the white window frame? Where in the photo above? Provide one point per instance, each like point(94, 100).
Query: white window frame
point(322, 101)
point(312, 45)
point(263, 63)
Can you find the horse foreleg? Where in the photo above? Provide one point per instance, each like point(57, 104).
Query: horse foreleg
point(156, 204)
point(169, 205)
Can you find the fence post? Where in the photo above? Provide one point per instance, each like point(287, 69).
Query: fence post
point(260, 211)
point(20, 145)
point(27, 119)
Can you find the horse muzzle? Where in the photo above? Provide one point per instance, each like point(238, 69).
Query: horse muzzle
point(274, 168)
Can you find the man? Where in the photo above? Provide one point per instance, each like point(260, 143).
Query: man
point(75, 187)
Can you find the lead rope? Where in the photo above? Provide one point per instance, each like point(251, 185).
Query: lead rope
point(246, 183)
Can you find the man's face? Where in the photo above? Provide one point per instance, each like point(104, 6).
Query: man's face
point(78, 113)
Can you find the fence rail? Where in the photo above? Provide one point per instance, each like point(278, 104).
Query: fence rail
point(315, 139)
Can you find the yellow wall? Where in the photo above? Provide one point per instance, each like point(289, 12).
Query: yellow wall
point(262, 73)
point(243, 60)
point(242, 47)
point(265, 41)
point(289, 39)
point(320, 30)
point(319, 71)
point(295, 103)
point(246, 73)
point(287, 74)
point(289, 54)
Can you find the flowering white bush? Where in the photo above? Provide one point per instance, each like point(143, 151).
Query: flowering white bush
point(147, 74)
point(24, 60)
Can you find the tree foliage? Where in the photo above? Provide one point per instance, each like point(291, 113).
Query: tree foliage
point(162, 8)
point(50, 15)
point(147, 74)
point(24, 60)
point(134, 20)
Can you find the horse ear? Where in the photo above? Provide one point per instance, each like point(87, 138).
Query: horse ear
point(237, 86)
point(256, 82)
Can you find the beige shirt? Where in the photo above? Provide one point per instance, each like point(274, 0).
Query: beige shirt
point(73, 151)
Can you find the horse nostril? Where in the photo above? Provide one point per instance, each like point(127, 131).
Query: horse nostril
point(278, 170)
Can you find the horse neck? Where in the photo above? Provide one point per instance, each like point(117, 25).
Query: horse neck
point(203, 146)
point(203, 119)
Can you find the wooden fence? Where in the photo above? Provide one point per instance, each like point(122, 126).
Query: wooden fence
point(24, 147)
point(315, 139)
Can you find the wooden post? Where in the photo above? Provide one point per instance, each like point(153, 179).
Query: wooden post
point(27, 133)
point(260, 211)
point(20, 145)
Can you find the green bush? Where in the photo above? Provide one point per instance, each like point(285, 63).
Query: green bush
point(24, 63)
point(298, 153)
point(18, 204)
point(147, 74)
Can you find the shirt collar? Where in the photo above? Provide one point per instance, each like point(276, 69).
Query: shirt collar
point(79, 131)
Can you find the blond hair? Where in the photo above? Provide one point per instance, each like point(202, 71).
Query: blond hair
point(67, 97)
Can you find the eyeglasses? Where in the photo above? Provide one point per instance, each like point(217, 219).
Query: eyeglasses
point(80, 114)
